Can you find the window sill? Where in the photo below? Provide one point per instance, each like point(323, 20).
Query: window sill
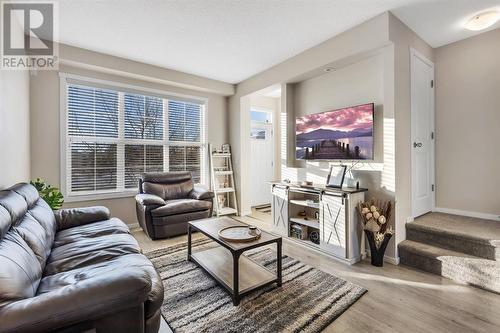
point(100, 196)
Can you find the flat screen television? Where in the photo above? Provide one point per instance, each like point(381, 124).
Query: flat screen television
point(343, 134)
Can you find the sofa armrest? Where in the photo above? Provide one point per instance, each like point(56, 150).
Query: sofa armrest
point(72, 217)
point(85, 300)
point(201, 193)
point(149, 200)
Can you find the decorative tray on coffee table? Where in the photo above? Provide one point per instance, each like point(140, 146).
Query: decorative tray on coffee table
point(239, 234)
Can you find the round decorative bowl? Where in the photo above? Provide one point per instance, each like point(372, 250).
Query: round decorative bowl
point(239, 234)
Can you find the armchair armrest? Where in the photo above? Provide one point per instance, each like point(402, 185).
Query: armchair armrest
point(201, 193)
point(88, 299)
point(149, 200)
point(144, 204)
point(72, 217)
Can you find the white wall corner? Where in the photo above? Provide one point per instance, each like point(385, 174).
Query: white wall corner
point(245, 213)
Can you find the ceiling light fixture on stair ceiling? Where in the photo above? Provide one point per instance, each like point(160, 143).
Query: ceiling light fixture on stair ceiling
point(483, 20)
point(329, 69)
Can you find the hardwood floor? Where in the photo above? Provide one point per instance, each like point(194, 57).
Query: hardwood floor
point(399, 299)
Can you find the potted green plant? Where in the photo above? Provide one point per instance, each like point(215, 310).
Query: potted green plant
point(52, 196)
point(375, 216)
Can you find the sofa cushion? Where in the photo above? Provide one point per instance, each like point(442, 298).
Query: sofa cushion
point(112, 226)
point(88, 251)
point(28, 192)
point(30, 217)
point(181, 206)
point(90, 305)
point(37, 238)
point(14, 204)
point(27, 229)
point(73, 217)
point(44, 215)
point(137, 262)
point(37, 224)
point(5, 221)
point(168, 185)
point(20, 271)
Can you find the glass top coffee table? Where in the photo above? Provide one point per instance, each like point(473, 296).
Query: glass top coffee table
point(235, 272)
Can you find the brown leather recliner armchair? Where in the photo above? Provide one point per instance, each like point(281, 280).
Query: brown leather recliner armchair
point(72, 270)
point(167, 201)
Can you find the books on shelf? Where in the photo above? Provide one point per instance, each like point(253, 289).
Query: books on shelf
point(298, 231)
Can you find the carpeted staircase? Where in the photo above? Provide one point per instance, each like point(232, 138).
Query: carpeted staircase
point(464, 249)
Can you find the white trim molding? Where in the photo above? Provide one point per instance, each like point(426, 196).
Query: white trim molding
point(202, 84)
point(391, 260)
point(134, 88)
point(100, 196)
point(246, 213)
point(467, 213)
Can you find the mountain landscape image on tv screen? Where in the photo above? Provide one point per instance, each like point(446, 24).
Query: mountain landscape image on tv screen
point(343, 134)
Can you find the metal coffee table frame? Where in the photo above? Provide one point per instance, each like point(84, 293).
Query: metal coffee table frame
point(234, 289)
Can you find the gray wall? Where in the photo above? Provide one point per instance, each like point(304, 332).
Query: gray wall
point(355, 84)
point(404, 39)
point(366, 37)
point(384, 32)
point(14, 127)
point(468, 124)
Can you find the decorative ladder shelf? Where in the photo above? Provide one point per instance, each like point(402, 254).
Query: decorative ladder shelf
point(223, 169)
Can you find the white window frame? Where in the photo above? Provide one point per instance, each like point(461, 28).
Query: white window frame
point(262, 124)
point(66, 79)
point(262, 110)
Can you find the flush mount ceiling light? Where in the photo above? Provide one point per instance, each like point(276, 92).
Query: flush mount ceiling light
point(483, 20)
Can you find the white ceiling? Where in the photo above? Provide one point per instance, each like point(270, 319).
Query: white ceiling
point(231, 40)
point(440, 22)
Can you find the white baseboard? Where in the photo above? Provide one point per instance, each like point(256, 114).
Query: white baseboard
point(246, 213)
point(391, 260)
point(387, 259)
point(467, 213)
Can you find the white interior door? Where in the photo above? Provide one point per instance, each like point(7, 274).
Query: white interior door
point(422, 134)
point(261, 163)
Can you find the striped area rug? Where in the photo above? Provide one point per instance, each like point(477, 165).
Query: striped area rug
point(308, 301)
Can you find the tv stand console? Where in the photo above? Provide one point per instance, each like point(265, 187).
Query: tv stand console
point(320, 217)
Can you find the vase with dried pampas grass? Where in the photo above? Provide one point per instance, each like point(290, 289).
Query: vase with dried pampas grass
point(375, 215)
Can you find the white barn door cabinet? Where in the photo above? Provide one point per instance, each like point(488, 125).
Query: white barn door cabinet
point(320, 217)
point(279, 208)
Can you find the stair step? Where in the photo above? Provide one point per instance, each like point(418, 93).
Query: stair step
point(477, 237)
point(461, 267)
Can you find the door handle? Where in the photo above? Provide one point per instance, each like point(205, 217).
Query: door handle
point(417, 144)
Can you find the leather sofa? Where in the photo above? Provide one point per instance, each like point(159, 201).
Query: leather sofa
point(71, 270)
point(167, 201)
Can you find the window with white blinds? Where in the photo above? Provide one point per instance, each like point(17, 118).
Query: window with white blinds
point(114, 136)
